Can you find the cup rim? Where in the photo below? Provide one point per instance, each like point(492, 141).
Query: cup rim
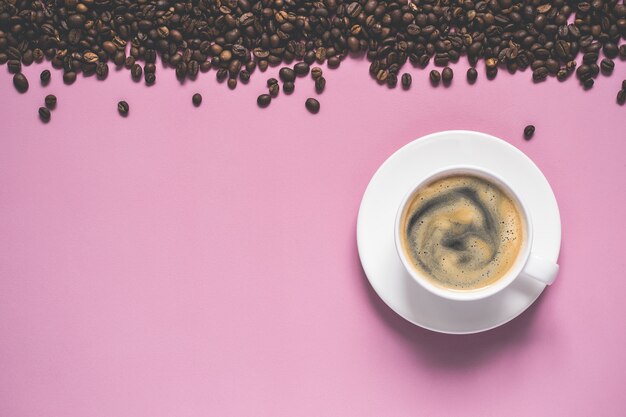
point(511, 274)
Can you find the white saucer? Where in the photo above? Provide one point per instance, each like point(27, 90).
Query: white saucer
point(375, 236)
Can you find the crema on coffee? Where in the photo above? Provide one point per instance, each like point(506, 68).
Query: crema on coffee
point(462, 232)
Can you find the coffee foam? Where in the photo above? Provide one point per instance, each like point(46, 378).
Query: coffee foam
point(462, 232)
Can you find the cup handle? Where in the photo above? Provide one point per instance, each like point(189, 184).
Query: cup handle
point(540, 269)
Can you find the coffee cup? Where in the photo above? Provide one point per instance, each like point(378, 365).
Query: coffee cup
point(464, 234)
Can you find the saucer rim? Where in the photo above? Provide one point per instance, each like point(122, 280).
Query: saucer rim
point(425, 140)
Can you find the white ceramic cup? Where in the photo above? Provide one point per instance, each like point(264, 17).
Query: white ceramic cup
point(528, 265)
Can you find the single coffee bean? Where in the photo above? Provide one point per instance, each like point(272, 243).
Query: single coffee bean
point(392, 80)
point(607, 66)
point(529, 131)
point(590, 57)
point(196, 99)
point(320, 84)
point(69, 77)
point(595, 70)
point(274, 89)
point(244, 76)
point(406, 80)
point(435, 77)
point(288, 87)
point(447, 75)
point(610, 50)
point(263, 100)
point(621, 96)
point(624, 85)
point(334, 62)
point(562, 74)
point(45, 77)
point(588, 83)
point(135, 72)
point(287, 74)
point(14, 66)
point(20, 82)
point(301, 69)
point(540, 74)
point(102, 70)
point(622, 51)
point(51, 101)
point(150, 78)
point(583, 72)
point(232, 83)
point(312, 105)
point(492, 73)
point(316, 72)
point(472, 75)
point(221, 74)
point(44, 114)
point(122, 108)
point(271, 81)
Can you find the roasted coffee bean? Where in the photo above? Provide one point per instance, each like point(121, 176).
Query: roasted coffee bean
point(102, 70)
point(45, 77)
point(435, 77)
point(492, 73)
point(287, 74)
point(622, 51)
point(149, 77)
point(588, 83)
point(288, 87)
point(406, 80)
point(44, 114)
point(301, 69)
point(529, 131)
point(320, 84)
point(595, 70)
point(122, 108)
point(51, 101)
point(607, 66)
point(221, 74)
point(69, 77)
point(136, 72)
point(562, 74)
point(624, 85)
point(232, 83)
point(244, 76)
point(14, 66)
point(621, 96)
point(540, 74)
point(196, 99)
point(583, 72)
point(447, 75)
point(271, 81)
point(312, 105)
point(334, 62)
point(392, 80)
point(610, 50)
point(316, 72)
point(274, 89)
point(20, 82)
point(472, 75)
point(263, 100)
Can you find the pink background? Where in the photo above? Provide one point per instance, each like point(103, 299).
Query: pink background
point(202, 262)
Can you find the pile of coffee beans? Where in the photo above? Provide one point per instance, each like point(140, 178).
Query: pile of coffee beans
point(235, 37)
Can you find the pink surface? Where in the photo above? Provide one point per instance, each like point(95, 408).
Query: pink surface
point(202, 262)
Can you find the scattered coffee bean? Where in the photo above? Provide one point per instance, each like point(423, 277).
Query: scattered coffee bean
point(312, 105)
point(288, 87)
point(447, 75)
point(406, 80)
point(529, 131)
point(624, 85)
point(14, 66)
point(320, 84)
point(244, 76)
point(271, 82)
point(588, 83)
point(102, 70)
point(44, 114)
point(301, 69)
point(51, 101)
point(150, 78)
point(435, 77)
point(392, 80)
point(45, 77)
point(274, 89)
point(287, 74)
point(334, 62)
point(69, 77)
point(122, 108)
point(472, 75)
point(263, 100)
point(316, 72)
point(607, 66)
point(232, 83)
point(540, 74)
point(492, 73)
point(136, 72)
point(196, 99)
point(621, 96)
point(20, 82)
